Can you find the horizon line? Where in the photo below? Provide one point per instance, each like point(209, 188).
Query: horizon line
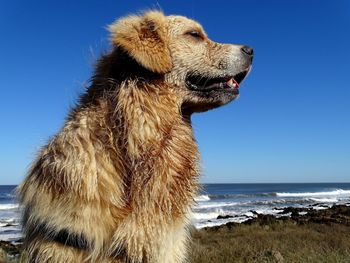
point(247, 183)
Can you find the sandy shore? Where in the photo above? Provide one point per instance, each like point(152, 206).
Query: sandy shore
point(299, 235)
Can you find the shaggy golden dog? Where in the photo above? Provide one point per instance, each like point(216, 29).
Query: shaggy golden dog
point(116, 184)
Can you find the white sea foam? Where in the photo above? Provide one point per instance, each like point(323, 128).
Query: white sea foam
point(8, 206)
point(249, 214)
point(306, 194)
point(10, 229)
point(221, 222)
point(7, 195)
point(202, 198)
point(320, 207)
point(325, 200)
point(10, 236)
point(216, 204)
point(7, 221)
point(283, 215)
point(268, 211)
point(7, 225)
point(205, 216)
point(208, 209)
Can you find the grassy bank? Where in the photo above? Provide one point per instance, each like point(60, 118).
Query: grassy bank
point(319, 236)
point(280, 241)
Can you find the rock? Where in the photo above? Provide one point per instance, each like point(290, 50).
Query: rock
point(224, 217)
point(3, 255)
point(293, 210)
point(261, 220)
point(278, 256)
point(337, 214)
point(230, 225)
point(254, 212)
point(341, 209)
point(9, 250)
point(319, 205)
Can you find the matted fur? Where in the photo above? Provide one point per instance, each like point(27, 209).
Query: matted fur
point(117, 182)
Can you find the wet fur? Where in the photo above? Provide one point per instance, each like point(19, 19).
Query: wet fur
point(117, 181)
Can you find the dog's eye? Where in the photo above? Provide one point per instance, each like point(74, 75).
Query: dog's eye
point(194, 34)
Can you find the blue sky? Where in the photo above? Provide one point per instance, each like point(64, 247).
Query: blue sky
point(291, 123)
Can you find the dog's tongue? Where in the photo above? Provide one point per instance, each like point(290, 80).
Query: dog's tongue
point(233, 83)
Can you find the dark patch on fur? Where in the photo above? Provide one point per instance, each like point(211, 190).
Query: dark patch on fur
point(34, 257)
point(43, 231)
point(73, 240)
point(111, 70)
point(114, 68)
point(119, 252)
point(41, 173)
point(25, 214)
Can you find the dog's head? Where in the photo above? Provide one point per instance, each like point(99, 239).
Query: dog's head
point(206, 74)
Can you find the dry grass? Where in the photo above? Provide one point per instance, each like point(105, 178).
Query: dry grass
point(277, 242)
point(280, 241)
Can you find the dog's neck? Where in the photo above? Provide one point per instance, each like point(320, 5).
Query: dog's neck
point(144, 126)
point(149, 116)
point(150, 142)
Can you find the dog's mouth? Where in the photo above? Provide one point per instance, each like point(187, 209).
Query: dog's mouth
point(207, 84)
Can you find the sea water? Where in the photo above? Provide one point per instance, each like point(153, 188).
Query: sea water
point(10, 229)
point(239, 202)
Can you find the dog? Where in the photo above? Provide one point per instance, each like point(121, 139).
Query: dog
point(117, 182)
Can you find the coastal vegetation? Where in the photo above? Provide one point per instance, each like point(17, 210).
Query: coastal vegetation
point(303, 235)
point(319, 237)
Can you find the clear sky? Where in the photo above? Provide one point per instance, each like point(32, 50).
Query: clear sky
point(291, 123)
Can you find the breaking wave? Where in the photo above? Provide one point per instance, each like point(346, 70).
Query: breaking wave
point(202, 198)
point(337, 192)
point(8, 206)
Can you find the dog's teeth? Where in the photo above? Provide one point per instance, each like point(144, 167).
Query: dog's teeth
point(236, 83)
point(231, 83)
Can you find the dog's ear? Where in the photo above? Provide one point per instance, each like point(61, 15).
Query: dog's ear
point(145, 39)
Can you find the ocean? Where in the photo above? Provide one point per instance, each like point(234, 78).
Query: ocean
point(236, 202)
point(243, 201)
point(10, 229)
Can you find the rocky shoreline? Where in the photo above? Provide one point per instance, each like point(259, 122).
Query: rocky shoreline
point(10, 251)
point(337, 214)
point(314, 234)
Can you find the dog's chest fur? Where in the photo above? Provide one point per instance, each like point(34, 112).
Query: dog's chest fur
point(122, 174)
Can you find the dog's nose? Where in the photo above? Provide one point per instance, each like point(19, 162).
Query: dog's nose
point(247, 50)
